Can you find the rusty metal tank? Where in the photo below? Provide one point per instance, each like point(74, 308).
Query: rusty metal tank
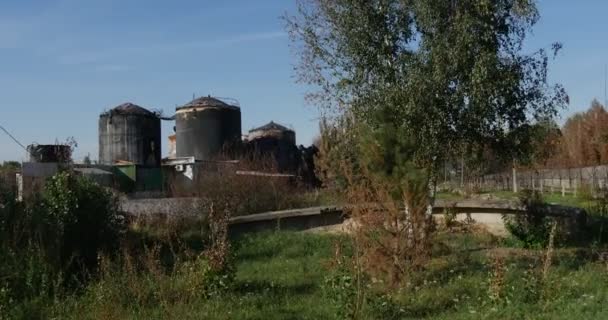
point(206, 127)
point(275, 131)
point(44, 153)
point(130, 134)
point(275, 141)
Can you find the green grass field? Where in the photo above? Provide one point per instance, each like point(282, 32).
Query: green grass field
point(553, 198)
point(160, 272)
point(280, 275)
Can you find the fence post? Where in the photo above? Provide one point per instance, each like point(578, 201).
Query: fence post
point(514, 179)
point(462, 172)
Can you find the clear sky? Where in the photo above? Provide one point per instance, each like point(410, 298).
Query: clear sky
point(62, 62)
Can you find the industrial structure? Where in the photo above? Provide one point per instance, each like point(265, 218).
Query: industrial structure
point(207, 141)
point(276, 142)
point(274, 132)
point(45, 153)
point(129, 134)
point(207, 126)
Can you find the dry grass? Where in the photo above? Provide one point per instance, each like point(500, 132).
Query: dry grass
point(256, 193)
point(392, 238)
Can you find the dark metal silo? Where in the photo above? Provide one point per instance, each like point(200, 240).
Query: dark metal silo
point(275, 141)
point(207, 126)
point(275, 131)
point(129, 134)
point(42, 153)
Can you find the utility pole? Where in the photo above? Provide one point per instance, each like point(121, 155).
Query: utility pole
point(605, 86)
point(462, 171)
point(514, 178)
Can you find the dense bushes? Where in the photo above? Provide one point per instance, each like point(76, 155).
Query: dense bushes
point(83, 216)
point(71, 240)
point(54, 240)
point(533, 227)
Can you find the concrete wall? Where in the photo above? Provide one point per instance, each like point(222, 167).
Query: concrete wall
point(163, 206)
point(33, 178)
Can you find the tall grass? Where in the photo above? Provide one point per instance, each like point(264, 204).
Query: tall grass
point(258, 187)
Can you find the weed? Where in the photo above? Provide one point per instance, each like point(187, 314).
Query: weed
point(342, 286)
point(497, 285)
point(449, 217)
point(532, 228)
point(585, 193)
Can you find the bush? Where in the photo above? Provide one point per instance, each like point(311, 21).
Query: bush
point(255, 188)
point(140, 281)
point(344, 287)
point(79, 219)
point(533, 227)
point(254, 194)
point(11, 218)
point(585, 192)
point(55, 239)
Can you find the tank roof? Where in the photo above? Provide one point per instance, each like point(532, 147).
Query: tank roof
point(208, 101)
point(271, 126)
point(129, 108)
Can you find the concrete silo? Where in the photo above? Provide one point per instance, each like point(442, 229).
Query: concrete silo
point(207, 126)
point(129, 134)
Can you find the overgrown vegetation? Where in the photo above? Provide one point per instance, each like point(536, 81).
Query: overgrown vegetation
point(255, 194)
point(405, 86)
point(185, 271)
point(533, 226)
point(72, 239)
point(254, 184)
point(51, 243)
point(283, 275)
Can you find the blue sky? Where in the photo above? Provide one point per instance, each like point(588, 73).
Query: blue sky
point(62, 62)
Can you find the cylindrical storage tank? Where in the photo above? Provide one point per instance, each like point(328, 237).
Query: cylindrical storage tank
point(276, 141)
point(129, 134)
point(50, 153)
point(205, 127)
point(275, 131)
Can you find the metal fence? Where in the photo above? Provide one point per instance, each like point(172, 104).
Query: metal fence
point(571, 180)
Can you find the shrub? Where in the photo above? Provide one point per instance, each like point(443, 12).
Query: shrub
point(12, 221)
point(449, 217)
point(55, 239)
point(221, 265)
point(200, 279)
point(77, 220)
point(254, 187)
point(254, 194)
point(394, 235)
point(532, 228)
point(585, 192)
point(345, 286)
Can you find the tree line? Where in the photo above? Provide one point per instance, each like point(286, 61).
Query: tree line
point(582, 141)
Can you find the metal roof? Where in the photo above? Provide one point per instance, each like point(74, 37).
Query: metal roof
point(271, 126)
point(92, 171)
point(129, 108)
point(207, 101)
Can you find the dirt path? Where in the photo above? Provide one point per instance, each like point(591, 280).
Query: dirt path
point(492, 222)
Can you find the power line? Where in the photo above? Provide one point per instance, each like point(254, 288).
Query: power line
point(13, 138)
